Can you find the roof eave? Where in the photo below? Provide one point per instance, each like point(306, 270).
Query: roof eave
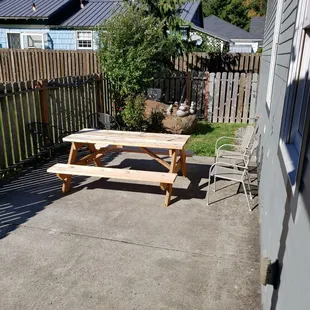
point(24, 17)
point(246, 40)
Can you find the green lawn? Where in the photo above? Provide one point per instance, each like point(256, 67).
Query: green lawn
point(202, 141)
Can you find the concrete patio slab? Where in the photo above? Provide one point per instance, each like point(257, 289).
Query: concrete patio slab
point(113, 245)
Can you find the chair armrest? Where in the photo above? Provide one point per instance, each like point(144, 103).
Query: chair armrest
point(223, 146)
point(226, 137)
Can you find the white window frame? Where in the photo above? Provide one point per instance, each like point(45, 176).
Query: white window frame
point(76, 40)
point(274, 51)
point(292, 142)
point(23, 34)
point(20, 37)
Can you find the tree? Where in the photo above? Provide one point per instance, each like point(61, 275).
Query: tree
point(237, 12)
point(133, 51)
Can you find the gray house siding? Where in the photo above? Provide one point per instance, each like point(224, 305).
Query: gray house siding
point(285, 233)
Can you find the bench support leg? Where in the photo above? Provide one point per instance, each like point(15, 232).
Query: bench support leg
point(168, 194)
point(67, 178)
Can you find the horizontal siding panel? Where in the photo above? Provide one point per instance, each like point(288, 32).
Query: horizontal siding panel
point(281, 73)
point(284, 60)
point(285, 48)
point(289, 21)
point(291, 10)
point(287, 33)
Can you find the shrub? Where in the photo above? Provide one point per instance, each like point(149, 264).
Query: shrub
point(155, 121)
point(133, 113)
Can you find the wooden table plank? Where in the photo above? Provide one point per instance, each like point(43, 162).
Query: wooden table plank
point(139, 139)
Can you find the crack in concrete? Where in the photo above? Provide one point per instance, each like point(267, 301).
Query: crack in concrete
point(137, 244)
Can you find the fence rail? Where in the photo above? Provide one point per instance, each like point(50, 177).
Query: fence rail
point(33, 64)
point(215, 62)
point(64, 102)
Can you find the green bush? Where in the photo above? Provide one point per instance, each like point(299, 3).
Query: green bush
point(134, 113)
point(155, 121)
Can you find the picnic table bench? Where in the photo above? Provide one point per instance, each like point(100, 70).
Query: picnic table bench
point(100, 142)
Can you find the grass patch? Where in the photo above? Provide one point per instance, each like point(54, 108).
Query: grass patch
point(202, 141)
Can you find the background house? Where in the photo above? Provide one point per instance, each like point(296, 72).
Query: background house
point(283, 107)
point(240, 40)
point(257, 27)
point(65, 24)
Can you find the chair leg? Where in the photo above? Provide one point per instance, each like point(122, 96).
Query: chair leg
point(209, 186)
point(249, 186)
point(246, 196)
point(214, 183)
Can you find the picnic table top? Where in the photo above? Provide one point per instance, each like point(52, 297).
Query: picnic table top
point(128, 138)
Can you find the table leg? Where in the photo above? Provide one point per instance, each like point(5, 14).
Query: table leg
point(183, 163)
point(97, 161)
point(67, 178)
point(173, 160)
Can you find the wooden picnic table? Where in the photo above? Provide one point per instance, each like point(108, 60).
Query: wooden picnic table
point(100, 142)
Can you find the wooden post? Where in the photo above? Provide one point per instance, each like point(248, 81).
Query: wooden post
point(43, 100)
point(206, 107)
point(99, 87)
point(188, 87)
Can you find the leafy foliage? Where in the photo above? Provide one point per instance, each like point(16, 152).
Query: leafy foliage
point(237, 12)
point(133, 51)
point(133, 114)
point(155, 121)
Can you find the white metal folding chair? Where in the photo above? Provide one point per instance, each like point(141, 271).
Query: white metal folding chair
point(233, 172)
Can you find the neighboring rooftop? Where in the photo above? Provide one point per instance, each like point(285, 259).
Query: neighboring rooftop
point(93, 13)
point(257, 26)
point(225, 29)
point(97, 11)
point(21, 9)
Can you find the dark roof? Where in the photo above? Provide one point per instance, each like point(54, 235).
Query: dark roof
point(22, 9)
point(224, 29)
point(189, 9)
point(96, 11)
point(210, 33)
point(93, 13)
point(257, 26)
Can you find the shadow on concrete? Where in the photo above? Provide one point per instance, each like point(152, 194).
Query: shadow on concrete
point(30, 192)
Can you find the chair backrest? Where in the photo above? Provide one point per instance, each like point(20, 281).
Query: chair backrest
point(101, 121)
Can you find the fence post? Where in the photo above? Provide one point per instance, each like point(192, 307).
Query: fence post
point(99, 86)
point(206, 107)
point(188, 87)
point(42, 85)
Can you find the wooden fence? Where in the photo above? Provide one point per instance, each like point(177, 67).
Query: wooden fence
point(18, 65)
point(215, 62)
point(222, 97)
point(64, 102)
point(34, 64)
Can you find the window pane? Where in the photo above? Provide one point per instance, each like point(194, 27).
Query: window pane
point(34, 41)
point(14, 40)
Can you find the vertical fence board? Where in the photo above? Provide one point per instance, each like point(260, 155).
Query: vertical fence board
point(240, 97)
point(234, 98)
point(245, 115)
point(211, 96)
point(222, 96)
point(228, 97)
point(253, 98)
point(216, 97)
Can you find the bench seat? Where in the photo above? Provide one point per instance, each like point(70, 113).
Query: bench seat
point(116, 173)
point(164, 179)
